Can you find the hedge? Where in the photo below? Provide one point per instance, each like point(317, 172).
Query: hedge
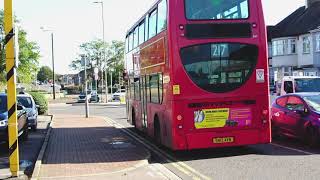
point(40, 100)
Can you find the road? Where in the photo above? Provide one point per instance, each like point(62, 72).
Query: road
point(282, 159)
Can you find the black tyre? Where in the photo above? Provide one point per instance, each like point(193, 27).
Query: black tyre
point(34, 127)
point(313, 137)
point(157, 130)
point(133, 117)
point(274, 131)
point(25, 134)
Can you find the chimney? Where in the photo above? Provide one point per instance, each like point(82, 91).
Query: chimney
point(310, 2)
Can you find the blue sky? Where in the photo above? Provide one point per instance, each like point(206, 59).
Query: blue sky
point(78, 21)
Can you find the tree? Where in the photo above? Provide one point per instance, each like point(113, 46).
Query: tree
point(44, 74)
point(29, 55)
point(116, 60)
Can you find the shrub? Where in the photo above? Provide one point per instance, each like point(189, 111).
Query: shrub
point(40, 100)
point(73, 89)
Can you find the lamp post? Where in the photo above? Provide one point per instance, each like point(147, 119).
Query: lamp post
point(104, 51)
point(52, 56)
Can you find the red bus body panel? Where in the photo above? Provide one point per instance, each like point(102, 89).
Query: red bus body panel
point(176, 113)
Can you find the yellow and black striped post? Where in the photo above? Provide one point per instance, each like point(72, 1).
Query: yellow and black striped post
point(11, 89)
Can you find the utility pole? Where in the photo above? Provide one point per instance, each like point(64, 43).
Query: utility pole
point(84, 60)
point(111, 82)
point(53, 74)
point(104, 51)
point(107, 90)
point(11, 85)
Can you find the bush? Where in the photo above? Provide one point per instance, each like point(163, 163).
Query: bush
point(40, 100)
point(73, 89)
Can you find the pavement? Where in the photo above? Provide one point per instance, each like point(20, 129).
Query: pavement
point(28, 151)
point(81, 148)
point(284, 158)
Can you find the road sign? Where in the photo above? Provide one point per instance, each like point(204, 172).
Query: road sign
point(96, 70)
point(11, 86)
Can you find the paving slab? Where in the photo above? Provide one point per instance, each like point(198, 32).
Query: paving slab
point(82, 148)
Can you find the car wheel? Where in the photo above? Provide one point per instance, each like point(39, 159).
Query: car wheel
point(274, 131)
point(34, 127)
point(25, 135)
point(313, 137)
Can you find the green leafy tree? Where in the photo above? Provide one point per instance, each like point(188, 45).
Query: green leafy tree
point(102, 55)
point(29, 55)
point(44, 74)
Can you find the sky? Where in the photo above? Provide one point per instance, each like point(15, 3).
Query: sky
point(77, 21)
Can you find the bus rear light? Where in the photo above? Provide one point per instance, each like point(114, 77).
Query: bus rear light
point(181, 27)
point(182, 34)
point(180, 127)
point(254, 25)
point(265, 112)
point(179, 117)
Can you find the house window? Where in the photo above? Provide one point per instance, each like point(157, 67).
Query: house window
point(279, 47)
point(318, 42)
point(306, 45)
point(291, 46)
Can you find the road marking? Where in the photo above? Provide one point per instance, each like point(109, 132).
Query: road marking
point(293, 149)
point(184, 168)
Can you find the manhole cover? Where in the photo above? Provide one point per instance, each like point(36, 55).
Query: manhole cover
point(122, 145)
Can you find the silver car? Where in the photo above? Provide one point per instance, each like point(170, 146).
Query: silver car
point(30, 106)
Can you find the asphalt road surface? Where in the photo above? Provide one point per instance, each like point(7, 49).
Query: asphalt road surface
point(282, 159)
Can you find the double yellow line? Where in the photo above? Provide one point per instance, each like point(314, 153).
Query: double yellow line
point(11, 89)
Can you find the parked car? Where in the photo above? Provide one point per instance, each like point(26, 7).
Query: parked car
point(94, 98)
point(82, 96)
point(21, 117)
point(30, 106)
point(297, 115)
point(116, 96)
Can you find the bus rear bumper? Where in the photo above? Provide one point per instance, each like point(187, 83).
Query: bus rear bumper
point(239, 138)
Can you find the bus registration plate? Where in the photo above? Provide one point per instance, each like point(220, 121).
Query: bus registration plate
point(223, 140)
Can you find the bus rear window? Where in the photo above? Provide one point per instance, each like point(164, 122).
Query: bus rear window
point(219, 67)
point(216, 9)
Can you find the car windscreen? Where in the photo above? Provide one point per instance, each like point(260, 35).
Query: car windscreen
point(307, 85)
point(25, 102)
point(219, 67)
point(216, 9)
point(3, 104)
point(313, 102)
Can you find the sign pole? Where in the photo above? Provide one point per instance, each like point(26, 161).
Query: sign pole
point(11, 86)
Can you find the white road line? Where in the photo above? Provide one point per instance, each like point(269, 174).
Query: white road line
point(184, 168)
point(293, 149)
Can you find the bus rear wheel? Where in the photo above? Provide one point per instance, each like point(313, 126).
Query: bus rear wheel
point(157, 130)
point(133, 118)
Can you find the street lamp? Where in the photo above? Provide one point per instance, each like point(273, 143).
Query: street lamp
point(52, 56)
point(104, 51)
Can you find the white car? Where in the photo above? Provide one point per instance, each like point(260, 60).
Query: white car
point(31, 108)
point(118, 94)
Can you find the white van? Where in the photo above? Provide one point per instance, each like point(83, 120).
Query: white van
point(294, 84)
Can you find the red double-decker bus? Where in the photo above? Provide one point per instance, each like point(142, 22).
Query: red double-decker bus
point(198, 74)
